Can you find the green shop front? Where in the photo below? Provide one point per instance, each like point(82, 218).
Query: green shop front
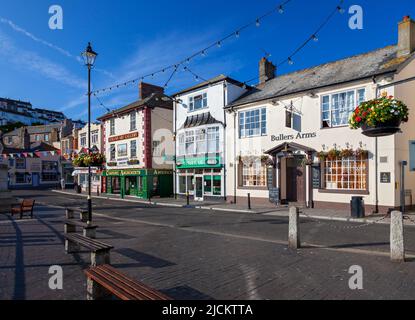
point(141, 183)
point(203, 178)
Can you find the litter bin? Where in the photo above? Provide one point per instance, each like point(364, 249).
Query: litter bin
point(357, 207)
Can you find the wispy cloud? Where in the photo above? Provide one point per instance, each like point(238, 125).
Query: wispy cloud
point(31, 61)
point(62, 51)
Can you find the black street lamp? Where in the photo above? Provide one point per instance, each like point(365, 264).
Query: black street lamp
point(89, 57)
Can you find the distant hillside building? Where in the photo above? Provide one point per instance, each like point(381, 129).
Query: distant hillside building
point(12, 111)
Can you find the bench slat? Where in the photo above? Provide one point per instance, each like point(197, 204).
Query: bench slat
point(87, 242)
point(79, 224)
point(128, 284)
point(122, 286)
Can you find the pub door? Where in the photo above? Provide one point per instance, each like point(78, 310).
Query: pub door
point(295, 180)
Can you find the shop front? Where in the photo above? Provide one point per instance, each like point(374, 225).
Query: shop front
point(80, 176)
point(141, 183)
point(202, 178)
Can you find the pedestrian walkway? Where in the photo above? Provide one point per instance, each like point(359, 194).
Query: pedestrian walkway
point(269, 210)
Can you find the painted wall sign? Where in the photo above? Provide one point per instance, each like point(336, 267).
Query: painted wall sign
point(385, 177)
point(124, 137)
point(204, 162)
point(289, 137)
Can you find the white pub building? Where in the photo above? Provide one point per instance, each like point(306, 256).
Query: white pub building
point(200, 126)
point(277, 132)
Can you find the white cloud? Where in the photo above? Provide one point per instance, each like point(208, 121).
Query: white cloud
point(31, 61)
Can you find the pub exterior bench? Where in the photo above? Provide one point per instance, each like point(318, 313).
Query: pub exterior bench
point(100, 252)
point(25, 207)
point(89, 231)
point(105, 281)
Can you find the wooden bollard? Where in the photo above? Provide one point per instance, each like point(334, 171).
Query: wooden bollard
point(397, 237)
point(294, 229)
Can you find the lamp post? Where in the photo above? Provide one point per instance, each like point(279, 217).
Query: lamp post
point(89, 57)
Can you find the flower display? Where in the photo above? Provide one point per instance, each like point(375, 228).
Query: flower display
point(86, 160)
point(379, 111)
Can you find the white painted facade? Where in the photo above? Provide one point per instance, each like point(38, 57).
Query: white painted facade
point(308, 110)
point(200, 168)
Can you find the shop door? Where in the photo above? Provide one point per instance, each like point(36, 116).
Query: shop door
point(295, 180)
point(116, 185)
point(35, 179)
point(199, 188)
point(131, 186)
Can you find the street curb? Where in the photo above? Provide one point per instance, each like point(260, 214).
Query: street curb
point(162, 204)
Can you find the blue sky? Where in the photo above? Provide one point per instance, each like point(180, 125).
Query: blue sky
point(134, 38)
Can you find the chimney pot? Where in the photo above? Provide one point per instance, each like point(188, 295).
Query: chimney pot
point(406, 32)
point(146, 90)
point(266, 70)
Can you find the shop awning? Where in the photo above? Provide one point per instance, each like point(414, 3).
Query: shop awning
point(290, 147)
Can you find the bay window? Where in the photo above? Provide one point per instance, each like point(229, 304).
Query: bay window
point(254, 174)
point(190, 142)
point(213, 140)
point(201, 141)
point(337, 108)
point(346, 173)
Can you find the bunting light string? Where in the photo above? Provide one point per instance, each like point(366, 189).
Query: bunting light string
point(217, 44)
point(171, 76)
point(289, 60)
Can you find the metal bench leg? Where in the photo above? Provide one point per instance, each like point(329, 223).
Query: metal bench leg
point(100, 258)
point(90, 233)
point(84, 216)
point(72, 247)
point(70, 228)
point(95, 291)
point(69, 214)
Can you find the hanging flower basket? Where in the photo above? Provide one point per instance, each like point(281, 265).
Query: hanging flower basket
point(379, 117)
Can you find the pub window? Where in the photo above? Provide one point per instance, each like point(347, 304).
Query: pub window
point(346, 173)
point(49, 166)
point(112, 127)
point(133, 149)
point(122, 150)
point(288, 119)
point(83, 140)
point(95, 137)
point(337, 108)
point(112, 152)
point(49, 177)
point(198, 102)
point(253, 123)
point(133, 121)
point(254, 174)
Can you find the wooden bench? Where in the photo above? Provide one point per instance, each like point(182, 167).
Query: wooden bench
point(100, 252)
point(105, 281)
point(89, 231)
point(83, 214)
point(24, 207)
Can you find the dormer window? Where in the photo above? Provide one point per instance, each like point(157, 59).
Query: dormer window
point(198, 102)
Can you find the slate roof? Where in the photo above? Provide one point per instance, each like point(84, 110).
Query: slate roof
point(214, 80)
point(154, 100)
point(35, 129)
point(34, 147)
point(362, 66)
point(199, 120)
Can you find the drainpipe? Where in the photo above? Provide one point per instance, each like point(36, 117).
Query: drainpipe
point(224, 141)
point(234, 154)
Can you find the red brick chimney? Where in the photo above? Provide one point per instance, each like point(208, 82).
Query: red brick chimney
point(406, 44)
point(146, 90)
point(266, 70)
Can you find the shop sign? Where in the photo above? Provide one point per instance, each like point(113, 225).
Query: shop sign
point(124, 137)
point(290, 137)
point(133, 172)
point(205, 162)
point(113, 173)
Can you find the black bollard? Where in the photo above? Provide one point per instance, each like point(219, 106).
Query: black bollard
point(249, 201)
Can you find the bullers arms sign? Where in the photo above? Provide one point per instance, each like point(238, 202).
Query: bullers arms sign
point(288, 137)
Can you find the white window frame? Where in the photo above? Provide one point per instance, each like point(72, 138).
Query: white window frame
point(204, 100)
point(133, 121)
point(83, 140)
point(326, 115)
point(112, 127)
point(261, 126)
point(133, 149)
